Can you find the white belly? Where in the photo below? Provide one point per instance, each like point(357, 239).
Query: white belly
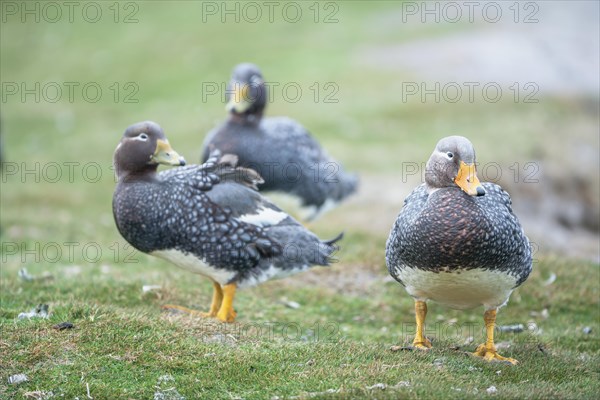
point(221, 276)
point(461, 289)
point(192, 263)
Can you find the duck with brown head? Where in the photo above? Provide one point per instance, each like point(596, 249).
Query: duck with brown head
point(143, 147)
point(208, 219)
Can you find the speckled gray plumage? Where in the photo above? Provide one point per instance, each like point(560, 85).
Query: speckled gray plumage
point(194, 210)
point(448, 231)
point(285, 154)
point(287, 157)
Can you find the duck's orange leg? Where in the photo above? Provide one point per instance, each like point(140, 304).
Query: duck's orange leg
point(421, 342)
point(488, 350)
point(226, 312)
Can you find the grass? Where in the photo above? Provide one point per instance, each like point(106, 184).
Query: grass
point(337, 344)
point(338, 339)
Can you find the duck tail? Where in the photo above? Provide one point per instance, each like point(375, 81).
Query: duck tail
point(329, 248)
point(332, 242)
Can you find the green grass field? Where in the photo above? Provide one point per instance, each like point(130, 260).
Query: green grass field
point(56, 220)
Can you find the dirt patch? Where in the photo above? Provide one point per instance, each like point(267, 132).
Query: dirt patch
point(351, 280)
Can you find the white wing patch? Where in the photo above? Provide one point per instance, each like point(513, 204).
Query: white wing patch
point(264, 217)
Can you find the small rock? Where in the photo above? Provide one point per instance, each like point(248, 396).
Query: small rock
point(401, 348)
point(40, 311)
point(72, 270)
point(291, 304)
point(150, 288)
point(543, 314)
point(16, 379)
point(381, 386)
point(532, 326)
point(63, 325)
point(502, 345)
point(587, 330)
point(25, 276)
point(105, 269)
point(517, 328)
point(491, 390)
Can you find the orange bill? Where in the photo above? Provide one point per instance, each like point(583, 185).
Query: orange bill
point(467, 180)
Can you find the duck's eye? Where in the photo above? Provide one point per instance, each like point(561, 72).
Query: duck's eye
point(449, 155)
point(143, 136)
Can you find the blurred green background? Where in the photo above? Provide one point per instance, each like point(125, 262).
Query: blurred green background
point(357, 68)
point(356, 64)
